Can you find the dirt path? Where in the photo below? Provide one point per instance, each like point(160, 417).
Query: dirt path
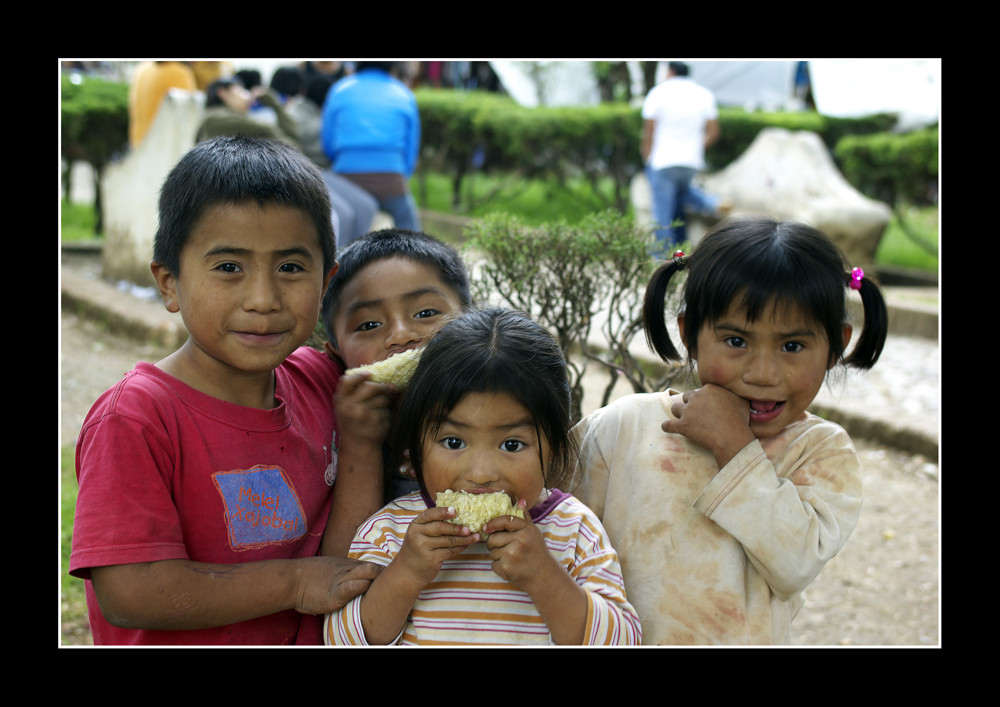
point(882, 590)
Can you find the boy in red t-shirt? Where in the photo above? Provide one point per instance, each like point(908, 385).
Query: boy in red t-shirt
point(202, 498)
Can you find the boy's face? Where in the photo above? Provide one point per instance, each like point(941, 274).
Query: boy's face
point(249, 290)
point(390, 306)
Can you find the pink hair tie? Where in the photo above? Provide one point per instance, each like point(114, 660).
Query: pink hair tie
point(857, 274)
point(680, 259)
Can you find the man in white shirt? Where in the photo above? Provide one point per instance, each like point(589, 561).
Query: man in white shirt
point(680, 120)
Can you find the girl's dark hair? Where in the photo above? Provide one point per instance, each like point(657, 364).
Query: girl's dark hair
point(488, 351)
point(234, 170)
point(758, 263)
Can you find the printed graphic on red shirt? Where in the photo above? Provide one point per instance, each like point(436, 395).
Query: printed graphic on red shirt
point(261, 505)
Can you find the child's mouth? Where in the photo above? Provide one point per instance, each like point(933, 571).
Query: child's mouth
point(765, 410)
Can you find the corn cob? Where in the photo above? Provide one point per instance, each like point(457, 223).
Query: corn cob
point(396, 369)
point(477, 509)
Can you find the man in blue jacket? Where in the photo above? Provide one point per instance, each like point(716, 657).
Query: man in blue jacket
point(371, 133)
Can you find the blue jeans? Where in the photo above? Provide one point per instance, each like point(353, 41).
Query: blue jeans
point(404, 212)
point(673, 197)
point(353, 208)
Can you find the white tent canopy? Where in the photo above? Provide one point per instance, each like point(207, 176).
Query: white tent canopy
point(841, 87)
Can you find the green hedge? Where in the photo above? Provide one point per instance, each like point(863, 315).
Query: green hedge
point(896, 169)
point(467, 130)
point(94, 124)
point(93, 127)
point(739, 128)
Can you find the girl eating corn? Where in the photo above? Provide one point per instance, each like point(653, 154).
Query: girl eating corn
point(487, 411)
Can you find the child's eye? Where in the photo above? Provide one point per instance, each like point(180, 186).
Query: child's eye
point(368, 326)
point(229, 267)
point(424, 313)
point(793, 347)
point(453, 443)
point(291, 267)
point(512, 445)
point(737, 342)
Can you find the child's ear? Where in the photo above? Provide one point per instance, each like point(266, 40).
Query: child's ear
point(846, 338)
point(166, 282)
point(332, 352)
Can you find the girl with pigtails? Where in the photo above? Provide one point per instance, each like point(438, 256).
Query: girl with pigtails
point(725, 502)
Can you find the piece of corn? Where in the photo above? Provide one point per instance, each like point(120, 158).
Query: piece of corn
point(396, 369)
point(477, 509)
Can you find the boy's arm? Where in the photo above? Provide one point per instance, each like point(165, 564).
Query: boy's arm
point(182, 595)
point(357, 495)
point(364, 412)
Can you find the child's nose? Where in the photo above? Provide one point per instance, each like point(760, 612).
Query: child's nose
point(763, 369)
point(262, 294)
point(482, 469)
point(400, 333)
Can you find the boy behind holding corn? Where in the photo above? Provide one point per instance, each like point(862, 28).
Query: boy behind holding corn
point(393, 290)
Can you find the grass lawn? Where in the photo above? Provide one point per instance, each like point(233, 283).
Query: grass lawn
point(901, 250)
point(77, 221)
point(73, 606)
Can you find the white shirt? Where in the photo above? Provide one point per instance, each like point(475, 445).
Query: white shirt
point(680, 109)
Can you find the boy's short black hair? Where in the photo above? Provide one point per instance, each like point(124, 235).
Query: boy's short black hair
point(679, 68)
point(233, 170)
point(387, 243)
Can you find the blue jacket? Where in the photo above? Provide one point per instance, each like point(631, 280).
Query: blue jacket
point(371, 124)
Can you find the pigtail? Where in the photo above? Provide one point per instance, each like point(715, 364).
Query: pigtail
point(871, 341)
point(653, 320)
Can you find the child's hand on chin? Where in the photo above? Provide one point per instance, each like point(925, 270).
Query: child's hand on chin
point(713, 418)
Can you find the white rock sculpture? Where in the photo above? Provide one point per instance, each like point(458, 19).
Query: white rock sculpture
point(130, 188)
point(789, 176)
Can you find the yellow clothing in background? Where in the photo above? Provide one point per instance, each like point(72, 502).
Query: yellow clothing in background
point(150, 84)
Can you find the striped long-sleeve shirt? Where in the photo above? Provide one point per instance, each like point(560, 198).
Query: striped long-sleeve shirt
point(469, 604)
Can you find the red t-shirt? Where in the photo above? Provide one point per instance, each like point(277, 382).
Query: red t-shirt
point(167, 472)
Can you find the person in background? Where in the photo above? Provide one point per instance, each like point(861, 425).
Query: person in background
point(227, 112)
point(205, 72)
point(355, 207)
point(151, 83)
point(371, 133)
point(289, 84)
point(680, 120)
